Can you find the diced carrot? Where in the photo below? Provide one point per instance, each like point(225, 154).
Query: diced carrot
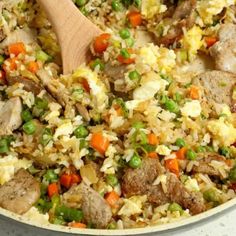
point(75, 179)
point(16, 48)
point(65, 180)
point(194, 92)
point(112, 199)
point(10, 64)
point(53, 189)
point(33, 66)
point(135, 18)
point(152, 155)
point(172, 165)
point(210, 40)
point(86, 85)
point(77, 225)
point(152, 139)
point(101, 43)
point(229, 162)
point(126, 61)
point(2, 77)
point(118, 109)
point(99, 143)
point(180, 154)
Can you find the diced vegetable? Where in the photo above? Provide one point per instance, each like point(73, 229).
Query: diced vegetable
point(116, 5)
point(43, 56)
point(112, 225)
point(101, 43)
point(211, 195)
point(135, 161)
point(200, 149)
point(77, 225)
point(134, 18)
point(134, 75)
point(112, 180)
point(112, 199)
point(69, 214)
point(172, 165)
point(2, 59)
point(152, 139)
point(191, 155)
point(26, 115)
point(65, 180)
point(152, 155)
point(33, 67)
point(180, 142)
point(181, 153)
point(16, 48)
point(175, 207)
point(80, 3)
point(99, 142)
point(46, 136)
point(225, 151)
point(4, 145)
point(194, 92)
point(138, 125)
point(124, 33)
point(232, 174)
point(75, 179)
point(29, 127)
point(53, 189)
point(97, 63)
point(41, 103)
point(81, 132)
point(50, 176)
point(10, 64)
point(85, 85)
point(129, 42)
point(171, 106)
point(125, 57)
point(210, 40)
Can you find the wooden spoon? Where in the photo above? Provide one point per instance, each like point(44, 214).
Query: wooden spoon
point(74, 31)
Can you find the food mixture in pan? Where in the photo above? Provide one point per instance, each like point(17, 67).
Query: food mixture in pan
point(143, 134)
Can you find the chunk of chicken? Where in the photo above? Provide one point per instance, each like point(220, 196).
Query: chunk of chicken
point(224, 51)
point(217, 87)
point(20, 193)
point(10, 116)
point(94, 207)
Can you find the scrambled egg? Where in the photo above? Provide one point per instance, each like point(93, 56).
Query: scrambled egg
point(163, 150)
point(64, 129)
point(223, 132)
point(132, 206)
point(9, 164)
point(150, 85)
point(209, 8)
point(192, 41)
point(98, 89)
point(191, 109)
point(149, 8)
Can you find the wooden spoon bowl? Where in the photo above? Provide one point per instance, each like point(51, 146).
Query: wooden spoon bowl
point(74, 31)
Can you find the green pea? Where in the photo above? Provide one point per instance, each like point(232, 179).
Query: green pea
point(112, 225)
point(129, 42)
point(83, 144)
point(225, 151)
point(175, 207)
point(201, 149)
point(4, 145)
point(171, 106)
point(80, 3)
point(232, 174)
point(180, 142)
point(81, 132)
point(134, 75)
point(97, 63)
point(50, 176)
point(211, 195)
point(112, 180)
point(191, 155)
point(135, 161)
point(124, 53)
point(124, 33)
point(29, 127)
point(116, 5)
point(137, 3)
point(83, 10)
point(26, 115)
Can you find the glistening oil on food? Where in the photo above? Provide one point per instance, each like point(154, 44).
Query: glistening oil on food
point(143, 134)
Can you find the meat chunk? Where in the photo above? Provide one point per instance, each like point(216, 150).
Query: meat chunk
point(94, 207)
point(183, 17)
point(204, 164)
point(224, 51)
point(20, 193)
point(29, 85)
point(178, 193)
point(139, 181)
point(10, 116)
point(218, 87)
